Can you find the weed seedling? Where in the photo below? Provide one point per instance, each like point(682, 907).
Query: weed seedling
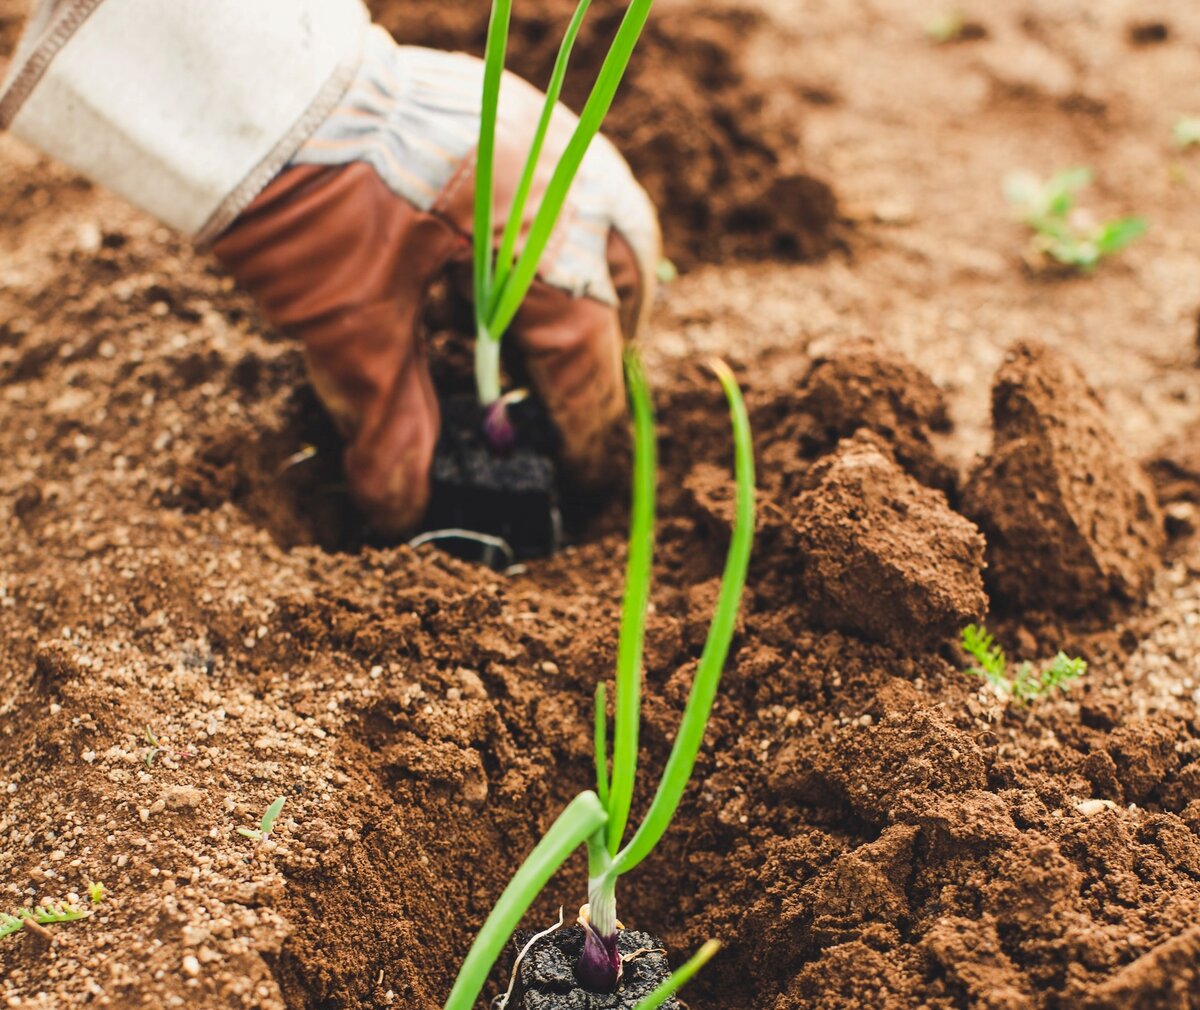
point(153, 748)
point(1027, 683)
point(1186, 132)
point(597, 820)
point(502, 277)
point(1064, 233)
point(41, 915)
point(95, 891)
point(945, 27)
point(266, 825)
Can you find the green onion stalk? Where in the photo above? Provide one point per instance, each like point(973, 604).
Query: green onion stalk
point(598, 819)
point(502, 277)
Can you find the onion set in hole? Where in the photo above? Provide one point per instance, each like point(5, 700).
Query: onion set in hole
point(598, 819)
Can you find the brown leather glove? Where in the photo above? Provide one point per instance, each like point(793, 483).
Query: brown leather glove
point(336, 256)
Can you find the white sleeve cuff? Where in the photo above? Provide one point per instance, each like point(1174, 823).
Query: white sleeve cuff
point(187, 109)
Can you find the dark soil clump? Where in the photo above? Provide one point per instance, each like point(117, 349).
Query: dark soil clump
point(883, 555)
point(546, 978)
point(857, 386)
point(1071, 521)
point(511, 495)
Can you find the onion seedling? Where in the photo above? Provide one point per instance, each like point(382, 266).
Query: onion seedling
point(502, 277)
point(598, 820)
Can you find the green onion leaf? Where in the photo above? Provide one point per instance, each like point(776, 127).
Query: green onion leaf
point(601, 741)
point(716, 648)
point(630, 645)
point(485, 158)
point(583, 818)
point(512, 229)
point(590, 119)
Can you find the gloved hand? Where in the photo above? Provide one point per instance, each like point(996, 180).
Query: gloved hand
point(342, 247)
point(334, 170)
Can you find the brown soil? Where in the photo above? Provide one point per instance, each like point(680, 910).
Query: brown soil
point(868, 827)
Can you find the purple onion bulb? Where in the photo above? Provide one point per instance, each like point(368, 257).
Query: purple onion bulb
point(498, 429)
point(599, 966)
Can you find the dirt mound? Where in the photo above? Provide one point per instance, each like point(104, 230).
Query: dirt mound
point(711, 144)
point(882, 555)
point(1071, 521)
point(855, 386)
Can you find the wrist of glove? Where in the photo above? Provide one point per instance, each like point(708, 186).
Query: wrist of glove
point(343, 246)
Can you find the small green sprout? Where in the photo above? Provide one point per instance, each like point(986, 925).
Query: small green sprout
point(266, 825)
point(95, 891)
point(946, 27)
point(152, 740)
point(1062, 232)
point(598, 819)
point(1028, 683)
point(1186, 132)
point(42, 915)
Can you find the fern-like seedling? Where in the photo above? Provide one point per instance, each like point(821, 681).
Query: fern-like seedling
point(266, 825)
point(1028, 683)
point(43, 915)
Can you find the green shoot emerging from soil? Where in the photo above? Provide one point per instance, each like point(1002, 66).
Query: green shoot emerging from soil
point(1186, 132)
point(266, 825)
point(503, 277)
point(597, 820)
point(946, 27)
point(42, 915)
point(1063, 232)
point(1027, 683)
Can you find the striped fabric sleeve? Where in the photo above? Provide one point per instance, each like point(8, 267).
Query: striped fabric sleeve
point(413, 115)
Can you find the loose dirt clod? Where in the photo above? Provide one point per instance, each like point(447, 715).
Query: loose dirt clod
point(855, 386)
point(883, 555)
point(1070, 520)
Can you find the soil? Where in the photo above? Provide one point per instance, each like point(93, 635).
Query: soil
point(509, 494)
point(192, 624)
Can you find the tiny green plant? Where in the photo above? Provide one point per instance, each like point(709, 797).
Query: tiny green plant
point(41, 915)
point(1064, 233)
point(502, 277)
point(95, 891)
point(266, 825)
point(1027, 683)
point(1186, 132)
point(597, 820)
point(153, 748)
point(946, 27)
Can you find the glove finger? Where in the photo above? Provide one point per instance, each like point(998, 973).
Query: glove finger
point(572, 351)
point(338, 260)
point(391, 444)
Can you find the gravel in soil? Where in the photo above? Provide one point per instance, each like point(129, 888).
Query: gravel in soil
point(191, 626)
